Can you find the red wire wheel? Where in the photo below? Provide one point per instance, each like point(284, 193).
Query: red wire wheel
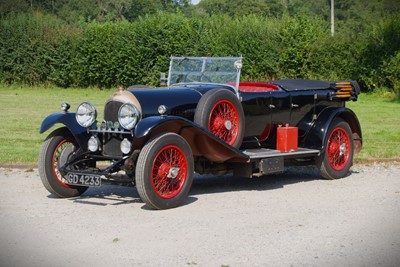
point(55, 161)
point(221, 113)
point(169, 172)
point(337, 158)
point(338, 149)
point(224, 121)
point(55, 151)
point(164, 171)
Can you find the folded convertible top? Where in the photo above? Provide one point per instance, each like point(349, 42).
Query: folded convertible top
point(298, 84)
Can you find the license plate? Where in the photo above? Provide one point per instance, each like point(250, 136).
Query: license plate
point(83, 179)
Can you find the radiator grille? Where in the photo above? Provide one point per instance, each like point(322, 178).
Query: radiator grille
point(111, 145)
point(112, 141)
point(111, 111)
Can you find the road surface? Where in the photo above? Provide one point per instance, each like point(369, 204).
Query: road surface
point(290, 219)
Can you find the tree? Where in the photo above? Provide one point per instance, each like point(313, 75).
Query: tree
point(8, 6)
point(235, 7)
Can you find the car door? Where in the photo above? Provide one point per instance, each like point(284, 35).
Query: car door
point(302, 106)
point(280, 108)
point(257, 110)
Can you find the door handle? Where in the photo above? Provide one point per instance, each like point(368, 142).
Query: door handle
point(295, 106)
point(271, 106)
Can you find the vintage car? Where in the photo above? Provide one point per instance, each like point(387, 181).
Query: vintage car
point(205, 121)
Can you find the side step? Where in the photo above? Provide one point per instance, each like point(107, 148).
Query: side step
point(262, 153)
point(263, 161)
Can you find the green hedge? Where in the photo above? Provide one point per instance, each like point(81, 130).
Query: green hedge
point(37, 49)
point(27, 48)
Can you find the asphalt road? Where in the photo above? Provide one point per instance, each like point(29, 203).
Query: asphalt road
point(291, 219)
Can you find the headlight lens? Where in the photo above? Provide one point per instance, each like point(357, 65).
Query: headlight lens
point(128, 116)
point(126, 146)
point(93, 143)
point(86, 114)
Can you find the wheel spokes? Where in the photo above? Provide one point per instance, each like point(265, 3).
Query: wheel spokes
point(56, 161)
point(338, 149)
point(224, 122)
point(169, 172)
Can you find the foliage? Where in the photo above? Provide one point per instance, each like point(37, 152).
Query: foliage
point(111, 43)
point(298, 37)
point(391, 68)
point(159, 37)
point(252, 37)
point(235, 7)
point(382, 45)
point(27, 47)
point(101, 10)
point(67, 62)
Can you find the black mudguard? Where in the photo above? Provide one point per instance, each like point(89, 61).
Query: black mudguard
point(201, 141)
point(68, 119)
point(316, 137)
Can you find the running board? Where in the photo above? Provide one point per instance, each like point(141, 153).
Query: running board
point(263, 161)
point(263, 153)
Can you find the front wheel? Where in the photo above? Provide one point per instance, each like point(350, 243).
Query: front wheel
point(164, 171)
point(337, 158)
point(56, 150)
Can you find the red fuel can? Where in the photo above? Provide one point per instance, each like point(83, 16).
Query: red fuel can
point(287, 138)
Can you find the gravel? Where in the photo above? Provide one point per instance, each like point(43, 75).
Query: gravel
point(290, 219)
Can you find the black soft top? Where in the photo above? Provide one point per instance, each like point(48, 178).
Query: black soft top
point(298, 84)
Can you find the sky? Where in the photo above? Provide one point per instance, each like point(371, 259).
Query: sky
point(195, 2)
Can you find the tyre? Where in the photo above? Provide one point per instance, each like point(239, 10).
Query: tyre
point(58, 147)
point(164, 171)
point(337, 158)
point(222, 114)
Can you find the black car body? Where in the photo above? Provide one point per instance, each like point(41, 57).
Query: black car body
point(204, 121)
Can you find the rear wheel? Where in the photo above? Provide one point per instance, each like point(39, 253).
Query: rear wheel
point(56, 150)
point(339, 149)
point(164, 171)
point(221, 113)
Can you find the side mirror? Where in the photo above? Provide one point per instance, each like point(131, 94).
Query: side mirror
point(163, 79)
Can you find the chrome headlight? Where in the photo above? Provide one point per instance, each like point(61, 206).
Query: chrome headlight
point(125, 146)
point(93, 143)
point(128, 116)
point(86, 114)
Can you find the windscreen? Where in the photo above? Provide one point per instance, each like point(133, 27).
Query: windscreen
point(224, 70)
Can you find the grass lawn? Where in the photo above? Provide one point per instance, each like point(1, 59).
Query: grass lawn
point(380, 123)
point(22, 110)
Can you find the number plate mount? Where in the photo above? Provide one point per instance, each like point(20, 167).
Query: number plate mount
point(82, 179)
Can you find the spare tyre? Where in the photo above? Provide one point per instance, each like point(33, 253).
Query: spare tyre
point(221, 112)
